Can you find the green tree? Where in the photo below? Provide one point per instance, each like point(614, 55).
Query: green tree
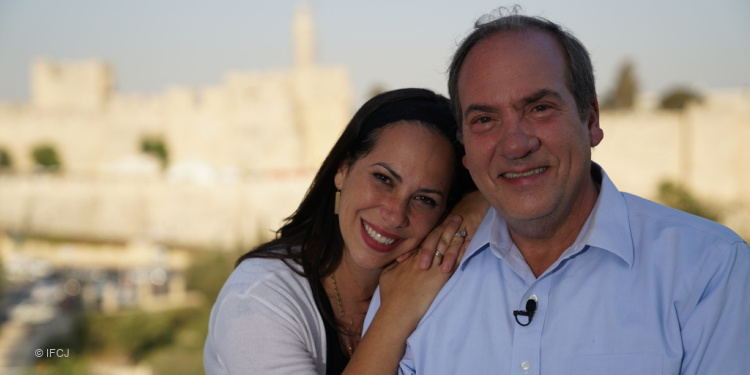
point(2, 287)
point(45, 157)
point(623, 97)
point(677, 196)
point(679, 98)
point(154, 146)
point(6, 162)
point(208, 272)
point(133, 333)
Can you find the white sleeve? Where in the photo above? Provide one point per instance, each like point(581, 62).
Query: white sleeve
point(267, 330)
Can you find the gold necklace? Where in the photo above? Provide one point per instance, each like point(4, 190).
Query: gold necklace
point(351, 338)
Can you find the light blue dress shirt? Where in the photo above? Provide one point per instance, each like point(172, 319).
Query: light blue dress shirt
point(645, 289)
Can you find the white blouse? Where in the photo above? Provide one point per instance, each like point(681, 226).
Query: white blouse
point(265, 321)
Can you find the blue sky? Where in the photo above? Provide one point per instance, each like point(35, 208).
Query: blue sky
point(157, 43)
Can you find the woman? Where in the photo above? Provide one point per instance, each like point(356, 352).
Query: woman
point(296, 305)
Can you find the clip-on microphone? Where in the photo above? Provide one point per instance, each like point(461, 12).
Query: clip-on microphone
point(530, 309)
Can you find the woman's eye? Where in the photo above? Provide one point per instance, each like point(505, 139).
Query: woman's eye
point(382, 178)
point(426, 200)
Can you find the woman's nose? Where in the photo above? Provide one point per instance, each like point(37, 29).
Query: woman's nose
point(394, 212)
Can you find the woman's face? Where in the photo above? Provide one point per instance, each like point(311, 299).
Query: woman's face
point(393, 196)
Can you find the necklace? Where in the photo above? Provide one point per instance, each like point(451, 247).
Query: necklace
point(351, 339)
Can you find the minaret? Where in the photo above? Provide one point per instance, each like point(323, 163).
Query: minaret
point(303, 36)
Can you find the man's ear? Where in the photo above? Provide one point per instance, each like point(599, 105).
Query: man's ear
point(596, 134)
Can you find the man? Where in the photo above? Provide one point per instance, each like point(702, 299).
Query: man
point(567, 275)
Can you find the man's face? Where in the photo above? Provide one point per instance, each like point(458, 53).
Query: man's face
point(527, 148)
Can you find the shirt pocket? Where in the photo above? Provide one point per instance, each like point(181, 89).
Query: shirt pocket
point(615, 364)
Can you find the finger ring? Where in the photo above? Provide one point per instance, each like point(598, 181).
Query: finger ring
point(438, 254)
point(461, 233)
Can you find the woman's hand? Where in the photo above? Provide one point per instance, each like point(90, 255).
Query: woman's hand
point(410, 284)
point(406, 292)
point(466, 215)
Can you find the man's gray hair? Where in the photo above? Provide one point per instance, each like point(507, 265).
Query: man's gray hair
point(580, 72)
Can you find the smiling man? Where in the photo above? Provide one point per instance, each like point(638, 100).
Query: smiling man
point(566, 274)
point(529, 150)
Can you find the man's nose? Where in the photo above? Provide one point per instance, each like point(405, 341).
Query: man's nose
point(517, 141)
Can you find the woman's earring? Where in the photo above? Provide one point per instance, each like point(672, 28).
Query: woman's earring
point(336, 199)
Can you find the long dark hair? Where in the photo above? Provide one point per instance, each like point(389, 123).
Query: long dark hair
point(311, 237)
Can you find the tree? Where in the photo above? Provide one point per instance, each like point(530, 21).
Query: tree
point(2, 288)
point(6, 162)
point(154, 146)
point(677, 196)
point(677, 99)
point(208, 271)
point(623, 97)
point(46, 158)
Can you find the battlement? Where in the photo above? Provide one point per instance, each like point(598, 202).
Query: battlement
point(77, 86)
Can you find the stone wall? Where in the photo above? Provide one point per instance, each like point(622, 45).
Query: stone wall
point(253, 122)
point(227, 216)
point(703, 148)
point(241, 153)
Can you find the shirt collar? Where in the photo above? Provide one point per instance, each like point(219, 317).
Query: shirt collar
point(491, 230)
point(606, 228)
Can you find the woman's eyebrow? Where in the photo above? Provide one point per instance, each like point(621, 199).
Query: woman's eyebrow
point(389, 169)
point(399, 179)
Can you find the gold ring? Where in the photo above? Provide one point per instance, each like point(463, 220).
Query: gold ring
point(462, 233)
point(438, 254)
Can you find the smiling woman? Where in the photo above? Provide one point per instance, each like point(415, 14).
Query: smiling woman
point(384, 186)
point(394, 195)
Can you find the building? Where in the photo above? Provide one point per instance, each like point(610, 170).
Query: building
point(703, 148)
point(240, 154)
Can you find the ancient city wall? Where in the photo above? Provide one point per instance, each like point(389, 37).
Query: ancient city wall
point(217, 216)
point(253, 122)
point(704, 148)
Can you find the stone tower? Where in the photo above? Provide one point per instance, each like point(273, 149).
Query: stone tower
point(303, 36)
point(77, 86)
point(321, 95)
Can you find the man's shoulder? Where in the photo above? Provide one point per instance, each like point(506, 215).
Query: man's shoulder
point(648, 215)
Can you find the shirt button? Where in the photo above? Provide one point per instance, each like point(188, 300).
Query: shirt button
point(534, 297)
point(525, 366)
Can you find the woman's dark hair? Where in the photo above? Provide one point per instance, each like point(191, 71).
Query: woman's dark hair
point(311, 237)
